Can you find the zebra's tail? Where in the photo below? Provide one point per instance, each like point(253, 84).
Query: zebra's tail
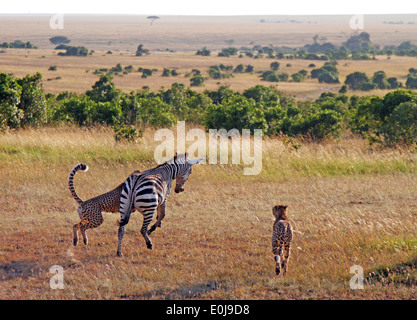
point(126, 200)
point(74, 170)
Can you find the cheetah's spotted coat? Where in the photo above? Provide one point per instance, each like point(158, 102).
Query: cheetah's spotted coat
point(90, 211)
point(281, 239)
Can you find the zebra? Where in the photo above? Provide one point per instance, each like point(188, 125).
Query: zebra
point(148, 192)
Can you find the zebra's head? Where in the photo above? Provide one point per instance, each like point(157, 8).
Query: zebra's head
point(184, 169)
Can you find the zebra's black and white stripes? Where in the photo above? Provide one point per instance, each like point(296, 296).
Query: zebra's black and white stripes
point(148, 192)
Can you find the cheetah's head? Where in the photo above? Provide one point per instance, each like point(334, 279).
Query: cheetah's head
point(280, 211)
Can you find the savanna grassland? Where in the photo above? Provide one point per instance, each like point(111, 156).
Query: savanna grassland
point(173, 42)
point(349, 204)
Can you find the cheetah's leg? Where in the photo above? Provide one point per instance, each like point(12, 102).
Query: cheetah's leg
point(278, 259)
point(75, 228)
point(89, 222)
point(286, 259)
point(160, 214)
point(120, 235)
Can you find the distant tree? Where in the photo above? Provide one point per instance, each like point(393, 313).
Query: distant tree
point(327, 73)
point(343, 89)
point(197, 81)
point(19, 44)
point(411, 82)
point(328, 77)
point(394, 83)
point(239, 69)
point(270, 76)
point(413, 71)
point(152, 18)
point(355, 80)
point(141, 51)
point(299, 76)
point(380, 80)
point(359, 42)
point(283, 76)
point(249, 68)
point(59, 39)
point(227, 52)
point(203, 52)
point(147, 72)
point(166, 72)
point(274, 65)
point(72, 51)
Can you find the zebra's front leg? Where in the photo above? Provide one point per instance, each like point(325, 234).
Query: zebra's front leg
point(160, 215)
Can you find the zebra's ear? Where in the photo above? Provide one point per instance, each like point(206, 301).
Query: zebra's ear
point(194, 161)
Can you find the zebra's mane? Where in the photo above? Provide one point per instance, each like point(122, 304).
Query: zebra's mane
point(178, 158)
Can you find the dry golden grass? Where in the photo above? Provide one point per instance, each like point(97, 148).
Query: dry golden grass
point(77, 72)
point(350, 205)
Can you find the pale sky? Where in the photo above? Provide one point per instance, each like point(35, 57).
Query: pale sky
point(211, 7)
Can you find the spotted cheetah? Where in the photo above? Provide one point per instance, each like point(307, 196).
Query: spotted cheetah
point(90, 211)
point(281, 236)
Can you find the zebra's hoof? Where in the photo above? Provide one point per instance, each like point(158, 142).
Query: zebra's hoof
point(75, 241)
point(277, 271)
point(119, 254)
point(149, 246)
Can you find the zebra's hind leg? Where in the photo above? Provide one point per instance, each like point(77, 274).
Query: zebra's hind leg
point(160, 214)
point(147, 218)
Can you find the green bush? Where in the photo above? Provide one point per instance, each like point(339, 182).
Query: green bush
point(104, 90)
point(32, 100)
point(227, 52)
point(10, 91)
point(236, 112)
point(124, 133)
point(327, 73)
point(270, 76)
point(411, 82)
point(355, 80)
point(317, 126)
point(203, 52)
point(401, 125)
point(389, 120)
point(197, 81)
point(72, 51)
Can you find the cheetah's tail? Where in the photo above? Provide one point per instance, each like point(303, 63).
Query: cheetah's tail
point(79, 166)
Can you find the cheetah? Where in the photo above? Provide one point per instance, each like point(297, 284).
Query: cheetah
point(281, 236)
point(90, 211)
